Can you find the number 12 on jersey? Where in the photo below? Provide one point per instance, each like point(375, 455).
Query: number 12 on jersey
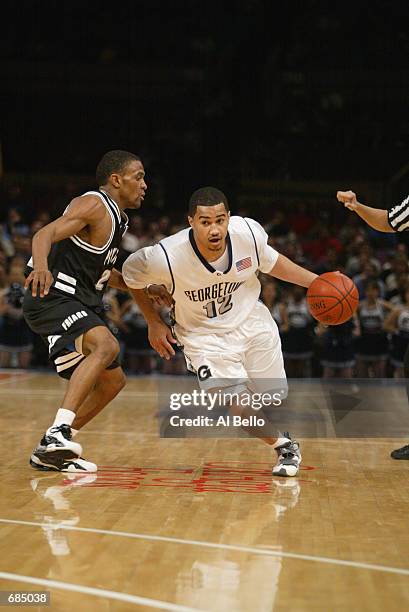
point(226, 304)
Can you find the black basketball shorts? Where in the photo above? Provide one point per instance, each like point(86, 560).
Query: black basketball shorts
point(61, 322)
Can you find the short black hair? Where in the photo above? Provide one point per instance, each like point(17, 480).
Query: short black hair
point(207, 196)
point(113, 161)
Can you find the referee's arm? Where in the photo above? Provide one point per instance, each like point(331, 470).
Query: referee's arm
point(395, 219)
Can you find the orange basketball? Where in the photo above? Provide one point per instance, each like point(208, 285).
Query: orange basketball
point(332, 298)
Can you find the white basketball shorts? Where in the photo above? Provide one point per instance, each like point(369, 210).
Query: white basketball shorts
point(250, 354)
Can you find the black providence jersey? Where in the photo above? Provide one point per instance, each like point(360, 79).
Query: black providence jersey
point(81, 270)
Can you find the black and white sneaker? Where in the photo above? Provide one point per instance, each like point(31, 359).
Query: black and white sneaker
point(289, 457)
point(401, 453)
point(56, 447)
point(70, 465)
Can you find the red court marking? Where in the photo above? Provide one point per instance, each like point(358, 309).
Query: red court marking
point(214, 477)
point(17, 376)
point(8, 375)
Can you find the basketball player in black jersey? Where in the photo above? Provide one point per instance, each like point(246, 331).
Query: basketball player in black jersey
point(395, 219)
point(72, 263)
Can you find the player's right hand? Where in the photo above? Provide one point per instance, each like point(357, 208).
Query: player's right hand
point(161, 339)
point(348, 198)
point(41, 280)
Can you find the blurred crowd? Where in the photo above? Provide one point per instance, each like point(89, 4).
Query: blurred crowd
point(372, 344)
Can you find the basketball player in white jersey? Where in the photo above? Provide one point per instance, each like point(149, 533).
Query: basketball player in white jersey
point(210, 270)
point(395, 219)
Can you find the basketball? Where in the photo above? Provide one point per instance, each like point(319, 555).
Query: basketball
point(332, 298)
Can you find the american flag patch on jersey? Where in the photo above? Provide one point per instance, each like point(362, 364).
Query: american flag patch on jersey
point(242, 264)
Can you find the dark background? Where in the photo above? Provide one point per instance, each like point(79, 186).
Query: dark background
point(267, 100)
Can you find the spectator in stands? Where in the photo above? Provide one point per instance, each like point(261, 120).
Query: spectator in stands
point(6, 242)
point(397, 323)
point(3, 277)
point(299, 221)
point(278, 226)
point(35, 226)
point(43, 217)
point(153, 234)
point(290, 248)
point(330, 262)
point(277, 308)
point(316, 246)
point(15, 335)
point(369, 274)
point(15, 224)
point(22, 246)
point(164, 225)
point(352, 232)
point(399, 295)
point(356, 263)
point(338, 357)
point(297, 341)
point(372, 342)
point(398, 269)
point(134, 237)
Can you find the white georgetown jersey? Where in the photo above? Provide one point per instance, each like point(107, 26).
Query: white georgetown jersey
point(206, 300)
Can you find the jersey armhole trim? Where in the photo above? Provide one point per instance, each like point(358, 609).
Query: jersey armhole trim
point(170, 268)
point(112, 204)
point(254, 238)
point(90, 247)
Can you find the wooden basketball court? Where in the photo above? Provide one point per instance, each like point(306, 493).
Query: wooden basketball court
point(196, 524)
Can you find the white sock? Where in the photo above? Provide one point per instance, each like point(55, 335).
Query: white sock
point(74, 432)
point(63, 417)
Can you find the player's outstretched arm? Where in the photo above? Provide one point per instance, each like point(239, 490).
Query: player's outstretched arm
point(159, 334)
point(147, 266)
point(83, 211)
point(157, 293)
point(375, 217)
point(287, 270)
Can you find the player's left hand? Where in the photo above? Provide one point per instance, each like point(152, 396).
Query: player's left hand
point(160, 295)
point(161, 339)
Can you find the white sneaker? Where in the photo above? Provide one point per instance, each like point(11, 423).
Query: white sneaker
point(289, 457)
point(69, 465)
point(56, 447)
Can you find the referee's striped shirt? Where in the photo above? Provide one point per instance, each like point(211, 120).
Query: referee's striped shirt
point(398, 216)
